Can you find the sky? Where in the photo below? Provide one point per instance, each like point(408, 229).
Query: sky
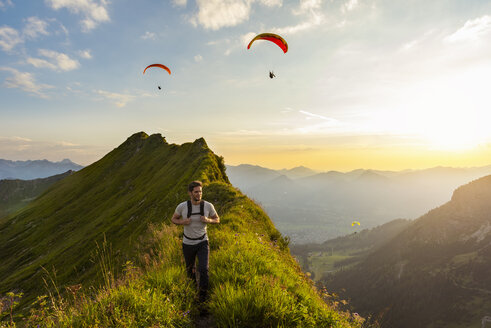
point(374, 84)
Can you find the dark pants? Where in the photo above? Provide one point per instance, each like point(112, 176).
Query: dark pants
point(202, 251)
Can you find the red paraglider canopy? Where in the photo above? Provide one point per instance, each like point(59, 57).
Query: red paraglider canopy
point(275, 38)
point(157, 65)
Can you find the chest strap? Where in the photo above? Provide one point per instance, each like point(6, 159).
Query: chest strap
point(201, 209)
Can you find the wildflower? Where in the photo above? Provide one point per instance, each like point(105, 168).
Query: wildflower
point(186, 313)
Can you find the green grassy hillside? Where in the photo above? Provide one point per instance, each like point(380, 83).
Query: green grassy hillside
point(127, 198)
point(15, 194)
point(138, 183)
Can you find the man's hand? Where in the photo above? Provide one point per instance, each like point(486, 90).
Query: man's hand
point(214, 219)
point(184, 221)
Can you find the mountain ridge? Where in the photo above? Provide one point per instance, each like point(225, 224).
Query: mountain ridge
point(436, 271)
point(35, 169)
point(322, 206)
point(128, 194)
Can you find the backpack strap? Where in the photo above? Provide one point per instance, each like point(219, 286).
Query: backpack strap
point(201, 209)
point(190, 209)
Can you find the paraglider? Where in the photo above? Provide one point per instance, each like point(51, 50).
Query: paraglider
point(276, 39)
point(354, 223)
point(159, 66)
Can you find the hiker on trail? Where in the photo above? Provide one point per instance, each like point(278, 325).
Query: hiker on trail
point(194, 215)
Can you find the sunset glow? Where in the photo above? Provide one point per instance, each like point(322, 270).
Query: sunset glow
point(350, 92)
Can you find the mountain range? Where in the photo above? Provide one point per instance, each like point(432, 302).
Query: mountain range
point(435, 273)
point(28, 170)
point(320, 206)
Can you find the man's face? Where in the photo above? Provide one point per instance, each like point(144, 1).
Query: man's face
point(196, 194)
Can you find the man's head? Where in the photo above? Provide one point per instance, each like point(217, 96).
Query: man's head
point(195, 190)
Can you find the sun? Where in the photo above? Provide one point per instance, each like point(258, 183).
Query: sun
point(453, 134)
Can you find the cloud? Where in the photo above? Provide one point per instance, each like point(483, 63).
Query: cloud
point(317, 116)
point(25, 81)
point(314, 17)
point(14, 139)
point(307, 6)
point(180, 3)
point(5, 3)
point(244, 133)
point(86, 54)
point(66, 144)
point(55, 60)
point(9, 38)
point(215, 14)
point(472, 30)
point(349, 6)
point(417, 42)
point(93, 12)
point(35, 27)
point(198, 58)
point(118, 99)
point(148, 35)
point(41, 63)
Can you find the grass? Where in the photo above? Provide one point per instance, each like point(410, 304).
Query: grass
point(254, 281)
point(113, 259)
point(321, 263)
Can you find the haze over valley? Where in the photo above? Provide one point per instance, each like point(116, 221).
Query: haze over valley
point(312, 207)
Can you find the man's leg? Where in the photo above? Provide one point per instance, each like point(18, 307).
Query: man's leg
point(189, 252)
point(203, 266)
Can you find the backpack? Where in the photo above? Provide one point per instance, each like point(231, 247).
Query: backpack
point(201, 208)
point(201, 212)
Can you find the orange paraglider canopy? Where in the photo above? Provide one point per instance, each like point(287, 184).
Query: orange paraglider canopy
point(275, 38)
point(157, 65)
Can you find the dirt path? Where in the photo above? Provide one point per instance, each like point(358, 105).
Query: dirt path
point(205, 322)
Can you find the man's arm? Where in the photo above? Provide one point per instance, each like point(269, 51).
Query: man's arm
point(184, 221)
point(214, 219)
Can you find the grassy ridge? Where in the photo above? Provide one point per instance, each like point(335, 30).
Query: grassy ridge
point(95, 224)
point(254, 280)
point(136, 184)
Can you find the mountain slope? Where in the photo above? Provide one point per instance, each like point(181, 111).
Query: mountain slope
point(124, 203)
point(437, 272)
point(115, 198)
point(15, 194)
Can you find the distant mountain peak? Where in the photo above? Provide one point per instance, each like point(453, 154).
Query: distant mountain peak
point(66, 161)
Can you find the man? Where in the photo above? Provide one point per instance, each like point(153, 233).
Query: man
point(194, 215)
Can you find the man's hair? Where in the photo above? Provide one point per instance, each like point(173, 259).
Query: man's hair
point(194, 184)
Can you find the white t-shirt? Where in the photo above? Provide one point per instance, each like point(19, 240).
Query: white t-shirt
point(196, 228)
